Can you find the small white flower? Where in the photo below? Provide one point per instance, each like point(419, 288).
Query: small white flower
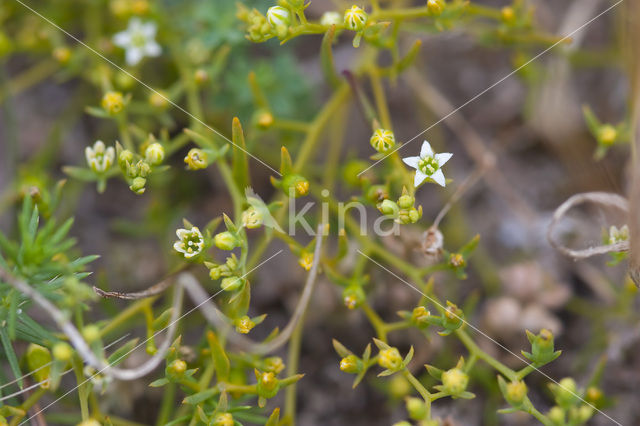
point(331, 18)
point(428, 165)
point(618, 235)
point(99, 158)
point(138, 40)
point(278, 16)
point(190, 242)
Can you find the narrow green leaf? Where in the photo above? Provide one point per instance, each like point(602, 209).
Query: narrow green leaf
point(122, 352)
point(220, 359)
point(240, 161)
point(11, 356)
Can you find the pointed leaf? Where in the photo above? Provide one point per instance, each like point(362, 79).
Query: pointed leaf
point(240, 161)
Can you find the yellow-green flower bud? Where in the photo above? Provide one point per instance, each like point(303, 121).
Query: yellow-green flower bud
point(274, 364)
point(125, 159)
point(455, 381)
point(231, 283)
point(516, 393)
point(306, 260)
point(556, 415)
point(388, 208)
point(89, 422)
point(137, 185)
point(435, 7)
point(406, 201)
point(353, 296)
point(594, 395)
point(196, 159)
point(91, 333)
point(420, 315)
point(113, 102)
point(268, 384)
point(177, 368)
point(158, 100)
point(566, 392)
point(200, 76)
point(390, 359)
point(154, 154)
point(62, 54)
point(507, 14)
point(457, 260)
point(264, 119)
point(223, 419)
point(251, 218)
point(244, 324)
point(351, 364)
point(355, 18)
point(295, 185)
point(607, 134)
point(279, 19)
point(382, 140)
point(39, 362)
point(225, 241)
point(62, 351)
point(215, 273)
point(416, 408)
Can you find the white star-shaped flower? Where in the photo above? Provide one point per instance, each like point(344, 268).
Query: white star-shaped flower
point(191, 242)
point(428, 165)
point(138, 40)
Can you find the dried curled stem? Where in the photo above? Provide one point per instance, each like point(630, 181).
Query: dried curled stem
point(216, 318)
point(606, 199)
point(219, 320)
point(81, 346)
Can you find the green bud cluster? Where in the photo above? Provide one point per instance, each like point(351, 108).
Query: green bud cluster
point(403, 211)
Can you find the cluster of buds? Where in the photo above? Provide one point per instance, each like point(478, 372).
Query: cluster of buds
point(137, 168)
point(292, 184)
point(126, 8)
point(225, 270)
point(261, 28)
point(569, 407)
point(403, 211)
point(305, 260)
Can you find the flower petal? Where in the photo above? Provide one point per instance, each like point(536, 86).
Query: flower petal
point(181, 233)
point(122, 39)
point(149, 30)
point(411, 161)
point(419, 178)
point(438, 177)
point(152, 48)
point(443, 157)
point(177, 246)
point(426, 150)
point(134, 55)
